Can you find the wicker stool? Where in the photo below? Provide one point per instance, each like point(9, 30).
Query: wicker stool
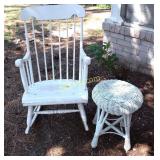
point(118, 98)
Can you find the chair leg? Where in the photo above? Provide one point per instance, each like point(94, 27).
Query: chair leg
point(127, 122)
point(83, 116)
point(29, 118)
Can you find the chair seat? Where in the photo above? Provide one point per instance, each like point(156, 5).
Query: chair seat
point(51, 92)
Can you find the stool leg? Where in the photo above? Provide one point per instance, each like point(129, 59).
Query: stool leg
point(101, 117)
point(127, 123)
point(95, 118)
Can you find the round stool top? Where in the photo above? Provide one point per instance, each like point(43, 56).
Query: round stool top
point(117, 97)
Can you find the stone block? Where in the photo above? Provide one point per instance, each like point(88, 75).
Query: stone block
point(131, 50)
point(141, 61)
point(117, 28)
point(127, 31)
point(142, 57)
point(148, 36)
point(122, 30)
point(150, 54)
point(132, 40)
point(124, 43)
point(126, 55)
point(109, 39)
point(116, 46)
point(106, 26)
point(146, 70)
point(143, 48)
point(118, 36)
point(151, 49)
point(137, 33)
point(107, 33)
point(142, 34)
point(152, 37)
point(132, 32)
point(147, 44)
point(113, 40)
point(106, 38)
point(112, 28)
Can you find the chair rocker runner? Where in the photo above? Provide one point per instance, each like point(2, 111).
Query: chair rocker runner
point(59, 86)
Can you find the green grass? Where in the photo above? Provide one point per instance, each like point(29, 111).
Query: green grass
point(103, 6)
point(11, 19)
point(97, 6)
point(12, 13)
point(95, 32)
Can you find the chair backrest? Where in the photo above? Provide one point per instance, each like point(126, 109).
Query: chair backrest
point(45, 24)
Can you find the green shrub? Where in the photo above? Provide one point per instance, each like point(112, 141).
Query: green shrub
point(104, 55)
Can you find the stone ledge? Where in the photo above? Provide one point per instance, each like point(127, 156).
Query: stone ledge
point(138, 33)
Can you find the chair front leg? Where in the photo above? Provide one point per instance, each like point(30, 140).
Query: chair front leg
point(83, 116)
point(29, 118)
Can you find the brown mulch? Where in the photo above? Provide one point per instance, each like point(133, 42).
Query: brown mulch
point(64, 134)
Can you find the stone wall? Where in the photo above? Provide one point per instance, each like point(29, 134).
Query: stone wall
point(134, 46)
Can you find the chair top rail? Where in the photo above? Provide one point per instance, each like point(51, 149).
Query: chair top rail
point(52, 12)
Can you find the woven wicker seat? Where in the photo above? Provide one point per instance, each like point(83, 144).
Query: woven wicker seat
point(118, 98)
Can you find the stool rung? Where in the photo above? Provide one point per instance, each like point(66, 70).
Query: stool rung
point(122, 134)
point(111, 119)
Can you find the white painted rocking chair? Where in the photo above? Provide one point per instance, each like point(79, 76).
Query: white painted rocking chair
point(56, 88)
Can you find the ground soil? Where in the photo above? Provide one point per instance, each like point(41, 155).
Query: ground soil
point(64, 134)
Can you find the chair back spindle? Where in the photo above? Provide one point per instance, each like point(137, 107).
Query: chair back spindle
point(74, 43)
point(60, 65)
point(44, 33)
point(67, 51)
point(44, 52)
point(35, 46)
point(81, 46)
point(52, 57)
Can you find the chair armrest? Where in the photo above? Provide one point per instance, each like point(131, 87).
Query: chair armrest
point(19, 62)
point(85, 58)
point(85, 61)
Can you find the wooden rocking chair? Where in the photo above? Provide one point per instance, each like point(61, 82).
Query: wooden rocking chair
point(64, 81)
